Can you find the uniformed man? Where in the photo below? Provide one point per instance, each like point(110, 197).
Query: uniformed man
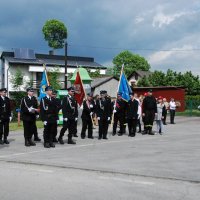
point(29, 113)
point(70, 116)
point(132, 115)
point(59, 106)
point(48, 112)
point(103, 110)
point(119, 109)
point(5, 116)
point(149, 110)
point(88, 111)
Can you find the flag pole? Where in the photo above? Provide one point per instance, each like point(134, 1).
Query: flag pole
point(45, 71)
point(84, 92)
point(122, 69)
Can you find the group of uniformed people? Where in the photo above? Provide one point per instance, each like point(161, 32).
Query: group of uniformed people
point(103, 109)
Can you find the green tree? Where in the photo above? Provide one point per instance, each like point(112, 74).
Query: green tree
point(17, 79)
point(132, 62)
point(55, 33)
point(143, 82)
point(94, 74)
point(157, 78)
point(53, 77)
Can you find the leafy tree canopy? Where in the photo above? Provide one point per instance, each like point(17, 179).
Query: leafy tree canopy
point(55, 33)
point(132, 62)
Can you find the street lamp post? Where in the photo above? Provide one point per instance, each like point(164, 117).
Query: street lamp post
point(66, 65)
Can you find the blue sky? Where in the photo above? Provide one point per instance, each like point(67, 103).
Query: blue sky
point(102, 29)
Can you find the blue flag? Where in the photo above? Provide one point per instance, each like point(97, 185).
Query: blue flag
point(43, 85)
point(124, 88)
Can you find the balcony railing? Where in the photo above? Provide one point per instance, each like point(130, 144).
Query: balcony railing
point(36, 84)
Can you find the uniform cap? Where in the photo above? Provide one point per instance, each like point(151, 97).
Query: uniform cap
point(71, 89)
point(48, 88)
point(3, 90)
point(29, 89)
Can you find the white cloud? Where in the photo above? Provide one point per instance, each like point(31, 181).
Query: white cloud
point(139, 19)
point(161, 19)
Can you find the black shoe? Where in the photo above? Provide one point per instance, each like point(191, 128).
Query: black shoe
point(139, 131)
point(32, 143)
point(91, 137)
point(71, 142)
point(120, 134)
point(75, 135)
point(1, 141)
point(55, 140)
point(51, 144)
point(105, 138)
point(113, 134)
point(60, 140)
point(99, 138)
point(27, 144)
point(6, 141)
point(46, 145)
point(37, 139)
point(82, 137)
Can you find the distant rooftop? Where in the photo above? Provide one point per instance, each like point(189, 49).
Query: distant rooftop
point(27, 56)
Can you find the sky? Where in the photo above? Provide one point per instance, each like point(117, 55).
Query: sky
point(165, 32)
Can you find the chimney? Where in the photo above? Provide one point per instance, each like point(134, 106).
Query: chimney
point(51, 52)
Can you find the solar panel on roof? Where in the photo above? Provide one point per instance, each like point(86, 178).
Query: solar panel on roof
point(24, 53)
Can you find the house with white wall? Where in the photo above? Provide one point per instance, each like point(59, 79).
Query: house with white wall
point(32, 65)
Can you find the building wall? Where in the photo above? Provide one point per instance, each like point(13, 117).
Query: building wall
point(110, 86)
point(177, 93)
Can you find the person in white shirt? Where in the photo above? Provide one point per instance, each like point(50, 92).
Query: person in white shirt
point(172, 109)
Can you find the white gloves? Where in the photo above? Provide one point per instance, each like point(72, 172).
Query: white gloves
point(98, 118)
point(108, 118)
point(91, 113)
point(114, 111)
point(10, 118)
point(91, 106)
point(37, 116)
point(76, 119)
point(31, 109)
point(65, 119)
point(45, 123)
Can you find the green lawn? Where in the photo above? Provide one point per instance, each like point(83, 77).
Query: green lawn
point(14, 125)
point(194, 113)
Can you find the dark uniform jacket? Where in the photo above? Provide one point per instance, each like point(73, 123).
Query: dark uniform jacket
point(26, 103)
point(5, 110)
point(103, 108)
point(120, 107)
point(48, 110)
point(132, 109)
point(58, 105)
point(149, 104)
point(69, 107)
point(88, 107)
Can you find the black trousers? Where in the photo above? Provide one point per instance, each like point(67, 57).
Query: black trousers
point(148, 119)
point(49, 132)
point(103, 128)
point(172, 116)
point(121, 120)
point(35, 132)
point(164, 117)
point(4, 129)
point(29, 129)
point(87, 124)
point(132, 123)
point(71, 125)
point(139, 124)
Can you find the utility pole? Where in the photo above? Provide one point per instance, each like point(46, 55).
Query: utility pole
point(66, 65)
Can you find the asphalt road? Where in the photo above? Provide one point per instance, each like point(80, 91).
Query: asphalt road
point(142, 168)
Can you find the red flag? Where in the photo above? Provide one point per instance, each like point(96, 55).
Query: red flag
point(79, 90)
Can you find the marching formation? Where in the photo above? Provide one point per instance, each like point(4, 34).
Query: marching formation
point(100, 110)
